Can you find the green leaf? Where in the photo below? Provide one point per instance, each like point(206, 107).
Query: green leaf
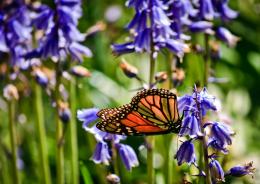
point(85, 174)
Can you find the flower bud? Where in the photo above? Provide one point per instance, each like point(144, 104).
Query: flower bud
point(80, 71)
point(239, 171)
point(113, 179)
point(41, 78)
point(10, 92)
point(178, 76)
point(64, 112)
point(227, 37)
point(161, 77)
point(129, 70)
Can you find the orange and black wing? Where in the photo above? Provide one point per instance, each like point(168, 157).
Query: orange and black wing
point(150, 112)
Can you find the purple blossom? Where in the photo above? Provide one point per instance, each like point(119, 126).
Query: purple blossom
point(226, 36)
point(61, 33)
point(206, 9)
point(15, 32)
point(215, 145)
point(216, 171)
point(101, 154)
point(150, 26)
point(190, 126)
point(201, 26)
point(186, 153)
point(239, 171)
point(87, 116)
point(128, 156)
point(221, 133)
point(224, 11)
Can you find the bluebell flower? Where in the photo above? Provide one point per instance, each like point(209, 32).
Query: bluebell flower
point(101, 154)
point(87, 116)
point(41, 78)
point(201, 26)
point(224, 11)
point(61, 34)
point(226, 36)
point(190, 126)
point(206, 9)
point(186, 153)
point(64, 114)
point(78, 51)
point(184, 102)
point(43, 18)
point(15, 32)
point(128, 156)
point(239, 171)
point(125, 48)
point(216, 171)
point(215, 145)
point(150, 24)
point(221, 133)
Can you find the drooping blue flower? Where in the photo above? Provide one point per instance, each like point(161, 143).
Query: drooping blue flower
point(87, 116)
point(221, 133)
point(239, 171)
point(216, 171)
point(224, 11)
point(226, 36)
point(206, 9)
point(190, 126)
point(101, 154)
point(186, 153)
point(201, 26)
point(150, 26)
point(128, 156)
point(215, 145)
point(61, 34)
point(15, 32)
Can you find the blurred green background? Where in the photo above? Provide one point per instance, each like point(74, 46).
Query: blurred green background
point(109, 87)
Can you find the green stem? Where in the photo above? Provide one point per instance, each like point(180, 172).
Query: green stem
point(204, 145)
point(13, 136)
point(73, 135)
point(206, 60)
point(115, 160)
point(42, 146)
point(151, 139)
point(59, 133)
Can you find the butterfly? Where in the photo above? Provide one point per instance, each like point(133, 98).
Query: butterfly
point(151, 112)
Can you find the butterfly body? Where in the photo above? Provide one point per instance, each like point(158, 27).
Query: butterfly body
point(151, 112)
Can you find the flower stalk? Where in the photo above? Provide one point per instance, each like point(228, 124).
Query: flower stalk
point(204, 142)
point(206, 60)
point(73, 134)
point(59, 132)
point(13, 136)
point(42, 146)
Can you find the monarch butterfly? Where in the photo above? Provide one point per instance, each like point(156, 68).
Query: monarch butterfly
point(150, 112)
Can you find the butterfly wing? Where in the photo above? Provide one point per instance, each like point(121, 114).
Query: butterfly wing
point(150, 112)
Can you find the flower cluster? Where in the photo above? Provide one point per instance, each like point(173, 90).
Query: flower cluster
point(218, 134)
point(61, 34)
point(151, 30)
point(103, 153)
point(15, 32)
